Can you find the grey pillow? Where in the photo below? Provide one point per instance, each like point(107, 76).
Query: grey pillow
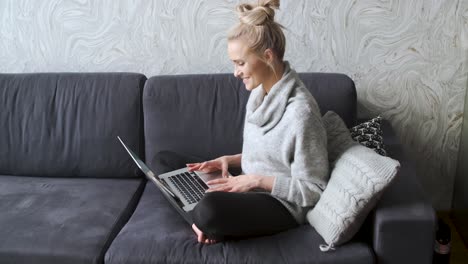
point(338, 136)
point(358, 177)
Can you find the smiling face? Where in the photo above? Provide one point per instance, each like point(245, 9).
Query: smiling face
point(247, 65)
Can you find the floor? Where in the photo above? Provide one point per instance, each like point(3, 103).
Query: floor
point(459, 251)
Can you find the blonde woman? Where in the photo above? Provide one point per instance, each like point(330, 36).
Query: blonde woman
point(284, 159)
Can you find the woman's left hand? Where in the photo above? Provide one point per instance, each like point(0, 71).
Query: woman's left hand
point(241, 183)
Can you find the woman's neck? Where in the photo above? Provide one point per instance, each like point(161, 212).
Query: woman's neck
point(276, 75)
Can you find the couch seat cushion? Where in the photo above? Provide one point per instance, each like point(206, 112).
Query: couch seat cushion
point(62, 220)
point(156, 233)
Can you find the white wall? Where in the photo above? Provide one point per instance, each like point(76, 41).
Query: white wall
point(408, 58)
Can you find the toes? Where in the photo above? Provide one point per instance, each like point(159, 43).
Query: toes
point(210, 241)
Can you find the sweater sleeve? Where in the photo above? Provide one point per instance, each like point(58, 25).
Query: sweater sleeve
point(309, 165)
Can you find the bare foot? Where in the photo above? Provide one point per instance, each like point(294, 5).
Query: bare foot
point(201, 237)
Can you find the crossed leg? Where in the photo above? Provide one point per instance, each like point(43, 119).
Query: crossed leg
point(224, 215)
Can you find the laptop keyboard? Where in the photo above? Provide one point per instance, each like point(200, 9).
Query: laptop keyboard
point(190, 186)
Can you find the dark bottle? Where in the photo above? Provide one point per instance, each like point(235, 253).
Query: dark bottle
point(442, 243)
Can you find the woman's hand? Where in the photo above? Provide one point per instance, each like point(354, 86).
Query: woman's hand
point(241, 183)
point(217, 164)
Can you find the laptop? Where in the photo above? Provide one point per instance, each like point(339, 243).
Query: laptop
point(183, 189)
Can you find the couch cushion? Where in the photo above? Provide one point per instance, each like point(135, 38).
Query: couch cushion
point(156, 233)
point(199, 115)
point(69, 220)
point(66, 124)
point(203, 115)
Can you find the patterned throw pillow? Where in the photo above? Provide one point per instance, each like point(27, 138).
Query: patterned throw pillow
point(370, 134)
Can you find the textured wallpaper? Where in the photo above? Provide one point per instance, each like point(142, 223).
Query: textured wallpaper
point(408, 58)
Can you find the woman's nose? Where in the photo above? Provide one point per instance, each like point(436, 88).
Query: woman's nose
point(236, 72)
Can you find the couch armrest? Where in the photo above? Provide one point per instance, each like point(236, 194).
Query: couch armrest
point(403, 220)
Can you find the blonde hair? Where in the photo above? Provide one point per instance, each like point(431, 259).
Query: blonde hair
point(258, 28)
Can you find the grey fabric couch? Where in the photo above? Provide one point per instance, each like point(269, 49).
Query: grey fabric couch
point(70, 194)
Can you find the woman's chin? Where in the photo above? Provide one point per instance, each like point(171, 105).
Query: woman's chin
point(250, 86)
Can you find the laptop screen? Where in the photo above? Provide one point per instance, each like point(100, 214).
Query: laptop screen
point(149, 174)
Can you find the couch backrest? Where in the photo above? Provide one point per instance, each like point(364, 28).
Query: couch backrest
point(66, 124)
point(203, 115)
point(333, 92)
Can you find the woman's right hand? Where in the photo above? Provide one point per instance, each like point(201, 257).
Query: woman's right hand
point(218, 164)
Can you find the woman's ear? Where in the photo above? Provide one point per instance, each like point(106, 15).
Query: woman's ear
point(269, 56)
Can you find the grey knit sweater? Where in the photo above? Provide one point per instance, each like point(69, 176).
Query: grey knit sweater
point(284, 137)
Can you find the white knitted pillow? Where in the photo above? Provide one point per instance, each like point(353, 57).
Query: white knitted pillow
point(358, 178)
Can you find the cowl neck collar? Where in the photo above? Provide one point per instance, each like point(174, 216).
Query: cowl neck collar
point(266, 111)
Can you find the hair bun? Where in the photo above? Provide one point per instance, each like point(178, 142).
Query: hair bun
point(258, 15)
